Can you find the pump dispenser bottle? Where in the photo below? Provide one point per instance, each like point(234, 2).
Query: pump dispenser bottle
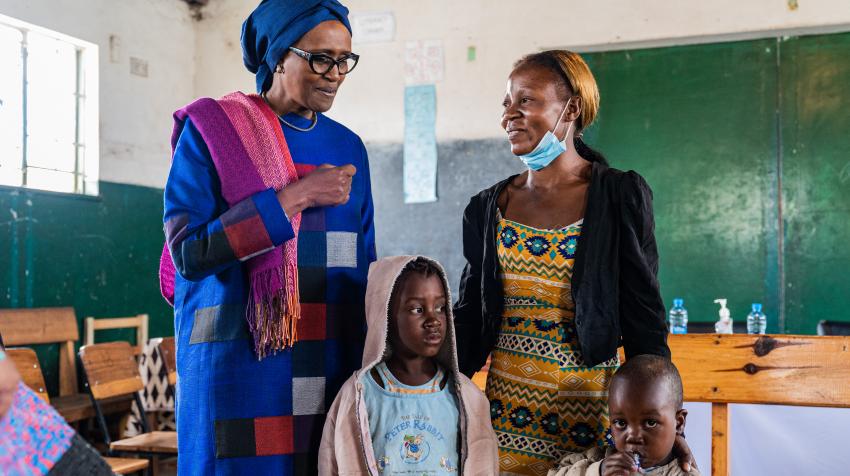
point(724, 324)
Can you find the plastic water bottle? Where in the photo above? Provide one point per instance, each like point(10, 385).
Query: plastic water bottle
point(678, 317)
point(756, 320)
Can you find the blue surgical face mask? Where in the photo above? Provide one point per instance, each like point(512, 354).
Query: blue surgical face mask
point(549, 147)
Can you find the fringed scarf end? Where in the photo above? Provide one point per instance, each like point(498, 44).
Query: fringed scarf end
point(273, 314)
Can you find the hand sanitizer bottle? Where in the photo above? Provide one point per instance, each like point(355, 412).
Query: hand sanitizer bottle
point(724, 325)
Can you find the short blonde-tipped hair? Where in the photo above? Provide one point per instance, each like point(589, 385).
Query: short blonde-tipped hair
point(577, 77)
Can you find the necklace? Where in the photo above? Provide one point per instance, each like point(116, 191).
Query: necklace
point(315, 119)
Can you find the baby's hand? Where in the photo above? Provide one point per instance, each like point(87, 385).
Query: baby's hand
point(618, 464)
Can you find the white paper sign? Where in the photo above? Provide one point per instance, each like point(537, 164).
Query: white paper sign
point(423, 62)
point(378, 27)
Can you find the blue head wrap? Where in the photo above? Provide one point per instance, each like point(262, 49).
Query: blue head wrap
point(275, 25)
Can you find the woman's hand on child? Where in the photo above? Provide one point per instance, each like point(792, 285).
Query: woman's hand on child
point(618, 464)
point(682, 452)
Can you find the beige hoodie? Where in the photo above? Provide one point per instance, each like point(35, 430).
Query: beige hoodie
point(346, 447)
point(589, 463)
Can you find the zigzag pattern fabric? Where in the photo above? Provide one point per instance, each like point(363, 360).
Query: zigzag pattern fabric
point(157, 395)
point(544, 401)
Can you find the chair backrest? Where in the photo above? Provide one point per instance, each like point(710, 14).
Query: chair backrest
point(27, 364)
point(766, 369)
point(139, 322)
point(111, 369)
point(50, 325)
point(167, 349)
point(833, 328)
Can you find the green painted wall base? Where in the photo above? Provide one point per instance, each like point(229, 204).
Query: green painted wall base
point(97, 254)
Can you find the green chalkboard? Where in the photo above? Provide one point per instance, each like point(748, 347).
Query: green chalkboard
point(698, 122)
point(815, 110)
point(746, 147)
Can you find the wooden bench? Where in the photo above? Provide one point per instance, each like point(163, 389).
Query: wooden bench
point(771, 369)
point(751, 369)
point(55, 325)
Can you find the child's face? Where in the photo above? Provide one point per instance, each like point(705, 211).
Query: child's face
point(645, 420)
point(418, 326)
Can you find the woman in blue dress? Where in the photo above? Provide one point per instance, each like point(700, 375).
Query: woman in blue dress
point(256, 372)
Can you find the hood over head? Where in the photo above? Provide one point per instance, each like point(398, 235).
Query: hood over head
point(383, 276)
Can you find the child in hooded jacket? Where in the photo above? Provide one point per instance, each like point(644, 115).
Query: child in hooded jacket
point(409, 408)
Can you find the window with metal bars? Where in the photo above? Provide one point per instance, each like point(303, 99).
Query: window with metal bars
point(48, 110)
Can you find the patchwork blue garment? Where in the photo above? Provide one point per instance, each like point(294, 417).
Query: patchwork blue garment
point(235, 414)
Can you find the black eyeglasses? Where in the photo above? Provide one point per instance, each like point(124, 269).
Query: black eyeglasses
point(321, 63)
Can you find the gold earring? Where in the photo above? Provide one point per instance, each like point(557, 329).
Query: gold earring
point(279, 69)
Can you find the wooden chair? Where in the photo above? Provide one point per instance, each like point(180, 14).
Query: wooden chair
point(169, 358)
point(111, 371)
point(833, 328)
point(127, 465)
point(55, 325)
point(27, 363)
point(139, 322)
point(50, 325)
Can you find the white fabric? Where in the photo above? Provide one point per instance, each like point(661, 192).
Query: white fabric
point(774, 439)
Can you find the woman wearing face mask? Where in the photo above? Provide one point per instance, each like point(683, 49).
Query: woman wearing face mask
point(561, 270)
point(269, 231)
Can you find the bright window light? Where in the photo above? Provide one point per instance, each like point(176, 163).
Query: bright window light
point(48, 110)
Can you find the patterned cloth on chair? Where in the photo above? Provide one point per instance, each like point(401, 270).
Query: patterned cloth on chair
point(157, 396)
point(543, 400)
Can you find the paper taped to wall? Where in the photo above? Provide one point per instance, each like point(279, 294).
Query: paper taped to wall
point(374, 27)
point(420, 144)
point(423, 62)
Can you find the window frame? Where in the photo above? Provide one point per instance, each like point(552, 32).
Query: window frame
point(86, 142)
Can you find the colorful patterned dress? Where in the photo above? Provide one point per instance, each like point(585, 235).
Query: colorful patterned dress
point(543, 400)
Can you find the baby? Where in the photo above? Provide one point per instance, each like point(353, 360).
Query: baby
point(645, 408)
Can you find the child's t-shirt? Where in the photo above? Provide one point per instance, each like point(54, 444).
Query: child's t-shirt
point(414, 429)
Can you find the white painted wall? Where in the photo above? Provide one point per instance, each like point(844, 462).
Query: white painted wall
point(371, 102)
point(190, 58)
point(135, 112)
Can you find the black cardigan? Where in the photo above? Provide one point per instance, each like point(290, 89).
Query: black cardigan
point(614, 282)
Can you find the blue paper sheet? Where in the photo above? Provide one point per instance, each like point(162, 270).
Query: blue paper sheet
point(420, 144)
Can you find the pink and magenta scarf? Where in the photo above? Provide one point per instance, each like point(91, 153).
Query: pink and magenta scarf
point(250, 155)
